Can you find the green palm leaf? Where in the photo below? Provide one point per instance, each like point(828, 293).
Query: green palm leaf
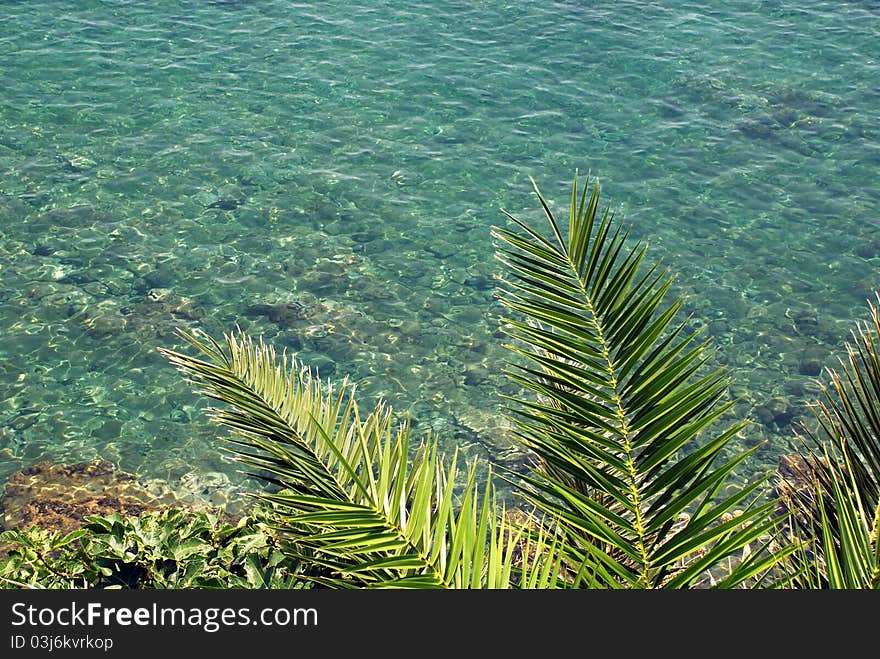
point(621, 411)
point(355, 503)
point(835, 518)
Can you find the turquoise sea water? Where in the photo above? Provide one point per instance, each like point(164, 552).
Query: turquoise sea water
point(326, 175)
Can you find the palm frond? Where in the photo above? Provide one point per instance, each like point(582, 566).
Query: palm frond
point(835, 517)
point(622, 408)
point(355, 502)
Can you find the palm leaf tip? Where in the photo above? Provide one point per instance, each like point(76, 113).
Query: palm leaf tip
point(621, 397)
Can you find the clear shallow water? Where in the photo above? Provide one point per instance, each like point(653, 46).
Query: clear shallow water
point(327, 177)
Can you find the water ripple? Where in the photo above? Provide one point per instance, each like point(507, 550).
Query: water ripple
point(190, 163)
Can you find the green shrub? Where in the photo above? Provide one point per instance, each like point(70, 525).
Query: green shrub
point(169, 549)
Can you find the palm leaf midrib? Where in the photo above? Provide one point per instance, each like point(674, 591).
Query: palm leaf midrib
point(576, 276)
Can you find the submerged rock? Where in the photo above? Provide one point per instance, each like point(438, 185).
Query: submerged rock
point(776, 411)
point(493, 433)
point(159, 313)
point(226, 204)
point(795, 483)
point(75, 162)
point(285, 315)
point(868, 250)
point(812, 360)
point(59, 497)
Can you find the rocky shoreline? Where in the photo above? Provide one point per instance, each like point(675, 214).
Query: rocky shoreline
point(59, 497)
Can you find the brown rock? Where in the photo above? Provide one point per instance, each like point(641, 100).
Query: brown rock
point(59, 497)
point(795, 487)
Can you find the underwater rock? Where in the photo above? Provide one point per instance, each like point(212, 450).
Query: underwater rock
point(411, 330)
point(475, 374)
point(285, 315)
point(801, 387)
point(668, 108)
point(209, 486)
point(103, 319)
point(759, 126)
point(75, 162)
point(441, 250)
point(160, 313)
point(213, 490)
point(794, 475)
point(764, 415)
point(11, 208)
point(67, 302)
point(226, 204)
point(805, 321)
point(80, 215)
point(775, 411)
point(812, 360)
point(753, 440)
point(162, 277)
point(366, 236)
point(869, 249)
point(320, 364)
point(316, 320)
point(289, 340)
point(494, 433)
point(791, 469)
point(24, 419)
point(324, 283)
point(436, 305)
point(480, 282)
point(59, 497)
